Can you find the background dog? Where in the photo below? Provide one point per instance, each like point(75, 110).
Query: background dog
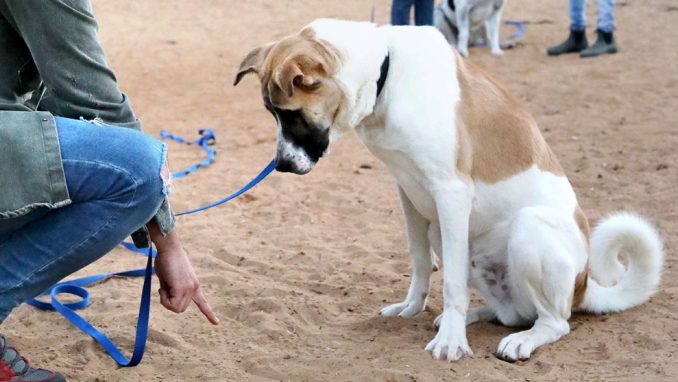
point(477, 181)
point(465, 22)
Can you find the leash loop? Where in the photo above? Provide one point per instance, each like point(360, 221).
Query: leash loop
point(77, 288)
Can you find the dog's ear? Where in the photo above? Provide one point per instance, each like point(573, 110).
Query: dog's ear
point(253, 62)
point(297, 72)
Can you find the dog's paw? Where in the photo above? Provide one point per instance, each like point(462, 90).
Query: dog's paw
point(404, 309)
point(497, 52)
point(450, 343)
point(463, 51)
point(517, 346)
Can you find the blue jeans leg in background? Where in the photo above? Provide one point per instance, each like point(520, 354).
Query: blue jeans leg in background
point(114, 181)
point(606, 15)
point(400, 12)
point(577, 15)
point(423, 12)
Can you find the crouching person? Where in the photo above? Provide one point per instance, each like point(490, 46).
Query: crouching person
point(77, 176)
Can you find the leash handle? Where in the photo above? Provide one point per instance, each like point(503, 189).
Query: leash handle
point(77, 288)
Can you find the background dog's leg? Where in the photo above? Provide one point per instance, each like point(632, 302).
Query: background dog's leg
point(463, 24)
point(453, 203)
point(492, 26)
point(541, 260)
point(422, 266)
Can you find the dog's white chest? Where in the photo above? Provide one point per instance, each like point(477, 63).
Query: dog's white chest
point(390, 150)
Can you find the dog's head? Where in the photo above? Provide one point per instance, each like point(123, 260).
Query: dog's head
point(298, 88)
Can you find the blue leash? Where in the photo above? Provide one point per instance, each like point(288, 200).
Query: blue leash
point(207, 139)
point(521, 28)
point(77, 287)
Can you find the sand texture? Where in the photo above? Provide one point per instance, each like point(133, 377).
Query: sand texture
point(299, 268)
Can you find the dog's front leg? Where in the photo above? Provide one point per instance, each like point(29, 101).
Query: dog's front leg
point(453, 203)
point(463, 25)
point(422, 266)
point(492, 28)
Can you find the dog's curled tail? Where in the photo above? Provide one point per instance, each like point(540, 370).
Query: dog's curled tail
point(613, 287)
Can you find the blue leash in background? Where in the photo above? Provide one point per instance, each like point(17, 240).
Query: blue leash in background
point(77, 287)
point(518, 24)
point(207, 139)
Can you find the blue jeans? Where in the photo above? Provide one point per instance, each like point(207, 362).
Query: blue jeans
point(605, 15)
point(114, 181)
point(423, 12)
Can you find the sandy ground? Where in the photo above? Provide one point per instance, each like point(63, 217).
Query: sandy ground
point(299, 268)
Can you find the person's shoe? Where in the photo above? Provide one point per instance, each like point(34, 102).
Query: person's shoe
point(576, 42)
point(605, 44)
point(15, 368)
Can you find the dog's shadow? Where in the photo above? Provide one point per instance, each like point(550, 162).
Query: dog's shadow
point(420, 329)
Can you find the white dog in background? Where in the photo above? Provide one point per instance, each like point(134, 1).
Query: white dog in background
point(478, 183)
point(464, 21)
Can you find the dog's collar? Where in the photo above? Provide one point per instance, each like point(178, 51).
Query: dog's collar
point(384, 72)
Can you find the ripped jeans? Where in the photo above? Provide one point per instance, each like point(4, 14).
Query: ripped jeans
point(114, 181)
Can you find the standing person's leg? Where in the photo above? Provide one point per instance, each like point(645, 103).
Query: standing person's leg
point(423, 12)
point(576, 41)
point(114, 180)
point(606, 15)
point(605, 43)
point(400, 12)
point(577, 15)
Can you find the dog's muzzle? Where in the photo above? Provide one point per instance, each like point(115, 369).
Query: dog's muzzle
point(293, 159)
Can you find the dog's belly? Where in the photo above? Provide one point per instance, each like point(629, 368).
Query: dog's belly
point(480, 15)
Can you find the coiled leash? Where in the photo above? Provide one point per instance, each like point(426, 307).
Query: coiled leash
point(77, 287)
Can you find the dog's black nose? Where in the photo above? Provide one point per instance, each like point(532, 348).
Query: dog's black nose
point(284, 166)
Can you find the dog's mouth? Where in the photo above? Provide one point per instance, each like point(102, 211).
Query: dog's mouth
point(286, 165)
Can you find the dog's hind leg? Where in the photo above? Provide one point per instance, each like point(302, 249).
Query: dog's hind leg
point(492, 28)
point(544, 249)
point(422, 264)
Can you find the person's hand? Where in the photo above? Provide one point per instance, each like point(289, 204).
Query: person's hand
point(179, 285)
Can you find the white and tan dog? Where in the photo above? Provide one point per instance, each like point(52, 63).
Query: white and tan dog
point(478, 183)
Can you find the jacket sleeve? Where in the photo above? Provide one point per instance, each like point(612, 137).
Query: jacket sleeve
point(62, 36)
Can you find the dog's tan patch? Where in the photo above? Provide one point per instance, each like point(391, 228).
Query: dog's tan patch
point(580, 284)
point(498, 137)
point(583, 224)
point(296, 74)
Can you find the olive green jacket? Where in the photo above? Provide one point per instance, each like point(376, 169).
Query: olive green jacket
point(51, 64)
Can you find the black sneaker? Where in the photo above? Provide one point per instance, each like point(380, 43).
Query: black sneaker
point(576, 42)
point(605, 44)
point(15, 368)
